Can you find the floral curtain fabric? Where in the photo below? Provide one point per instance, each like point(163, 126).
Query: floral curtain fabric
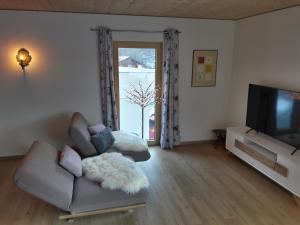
point(107, 90)
point(170, 133)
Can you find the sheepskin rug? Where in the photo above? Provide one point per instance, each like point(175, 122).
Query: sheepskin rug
point(114, 171)
point(125, 141)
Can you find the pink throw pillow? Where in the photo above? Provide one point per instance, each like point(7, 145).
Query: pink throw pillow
point(71, 161)
point(97, 128)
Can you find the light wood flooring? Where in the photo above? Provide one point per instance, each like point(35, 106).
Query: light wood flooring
point(192, 185)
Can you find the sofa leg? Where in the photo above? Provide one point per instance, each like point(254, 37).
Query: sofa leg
point(297, 200)
point(228, 152)
point(130, 209)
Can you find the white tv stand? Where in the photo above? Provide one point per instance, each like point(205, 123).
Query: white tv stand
point(271, 157)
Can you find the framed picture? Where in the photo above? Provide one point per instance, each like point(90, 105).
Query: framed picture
point(204, 68)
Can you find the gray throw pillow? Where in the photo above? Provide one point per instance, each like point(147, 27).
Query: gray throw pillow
point(103, 140)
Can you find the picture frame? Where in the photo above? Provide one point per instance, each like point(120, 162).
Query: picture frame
point(204, 68)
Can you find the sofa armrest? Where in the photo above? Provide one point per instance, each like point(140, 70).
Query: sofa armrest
point(41, 176)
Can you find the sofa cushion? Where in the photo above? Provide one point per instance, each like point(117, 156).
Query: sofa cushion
point(89, 195)
point(41, 176)
point(135, 156)
point(110, 150)
point(80, 135)
point(103, 140)
point(71, 161)
point(97, 128)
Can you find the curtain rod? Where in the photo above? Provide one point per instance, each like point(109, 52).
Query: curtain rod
point(138, 31)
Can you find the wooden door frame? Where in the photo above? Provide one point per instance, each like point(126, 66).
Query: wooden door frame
point(158, 78)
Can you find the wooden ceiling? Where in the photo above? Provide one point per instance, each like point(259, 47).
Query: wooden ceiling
point(204, 9)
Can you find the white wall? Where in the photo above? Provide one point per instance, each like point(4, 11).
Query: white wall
point(63, 75)
point(267, 52)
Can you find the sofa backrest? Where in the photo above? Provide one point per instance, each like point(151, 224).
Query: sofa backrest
point(40, 175)
point(80, 135)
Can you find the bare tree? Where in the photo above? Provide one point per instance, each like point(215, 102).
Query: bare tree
point(142, 96)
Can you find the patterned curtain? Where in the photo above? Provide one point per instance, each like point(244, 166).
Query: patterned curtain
point(170, 133)
point(107, 89)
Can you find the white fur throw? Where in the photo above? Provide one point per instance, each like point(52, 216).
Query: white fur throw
point(125, 141)
point(114, 171)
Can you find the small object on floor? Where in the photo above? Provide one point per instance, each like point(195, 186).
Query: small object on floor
point(221, 137)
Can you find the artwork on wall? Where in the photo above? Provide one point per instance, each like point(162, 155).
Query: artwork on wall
point(204, 68)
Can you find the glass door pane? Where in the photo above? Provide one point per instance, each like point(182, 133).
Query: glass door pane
point(138, 93)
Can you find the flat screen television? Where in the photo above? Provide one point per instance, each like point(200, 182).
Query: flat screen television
point(274, 112)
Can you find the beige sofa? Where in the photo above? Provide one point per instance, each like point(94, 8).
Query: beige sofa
point(81, 137)
point(42, 176)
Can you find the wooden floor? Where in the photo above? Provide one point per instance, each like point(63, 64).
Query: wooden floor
point(191, 185)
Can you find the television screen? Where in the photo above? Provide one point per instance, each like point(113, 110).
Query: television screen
point(275, 112)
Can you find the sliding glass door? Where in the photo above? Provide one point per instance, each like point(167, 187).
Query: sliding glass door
point(137, 68)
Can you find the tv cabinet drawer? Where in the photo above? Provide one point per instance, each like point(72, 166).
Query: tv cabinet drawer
point(282, 170)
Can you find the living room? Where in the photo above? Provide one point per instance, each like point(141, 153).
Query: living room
point(190, 180)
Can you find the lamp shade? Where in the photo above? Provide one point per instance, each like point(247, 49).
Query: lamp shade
point(23, 57)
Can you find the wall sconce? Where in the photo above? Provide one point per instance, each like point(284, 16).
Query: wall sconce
point(23, 58)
